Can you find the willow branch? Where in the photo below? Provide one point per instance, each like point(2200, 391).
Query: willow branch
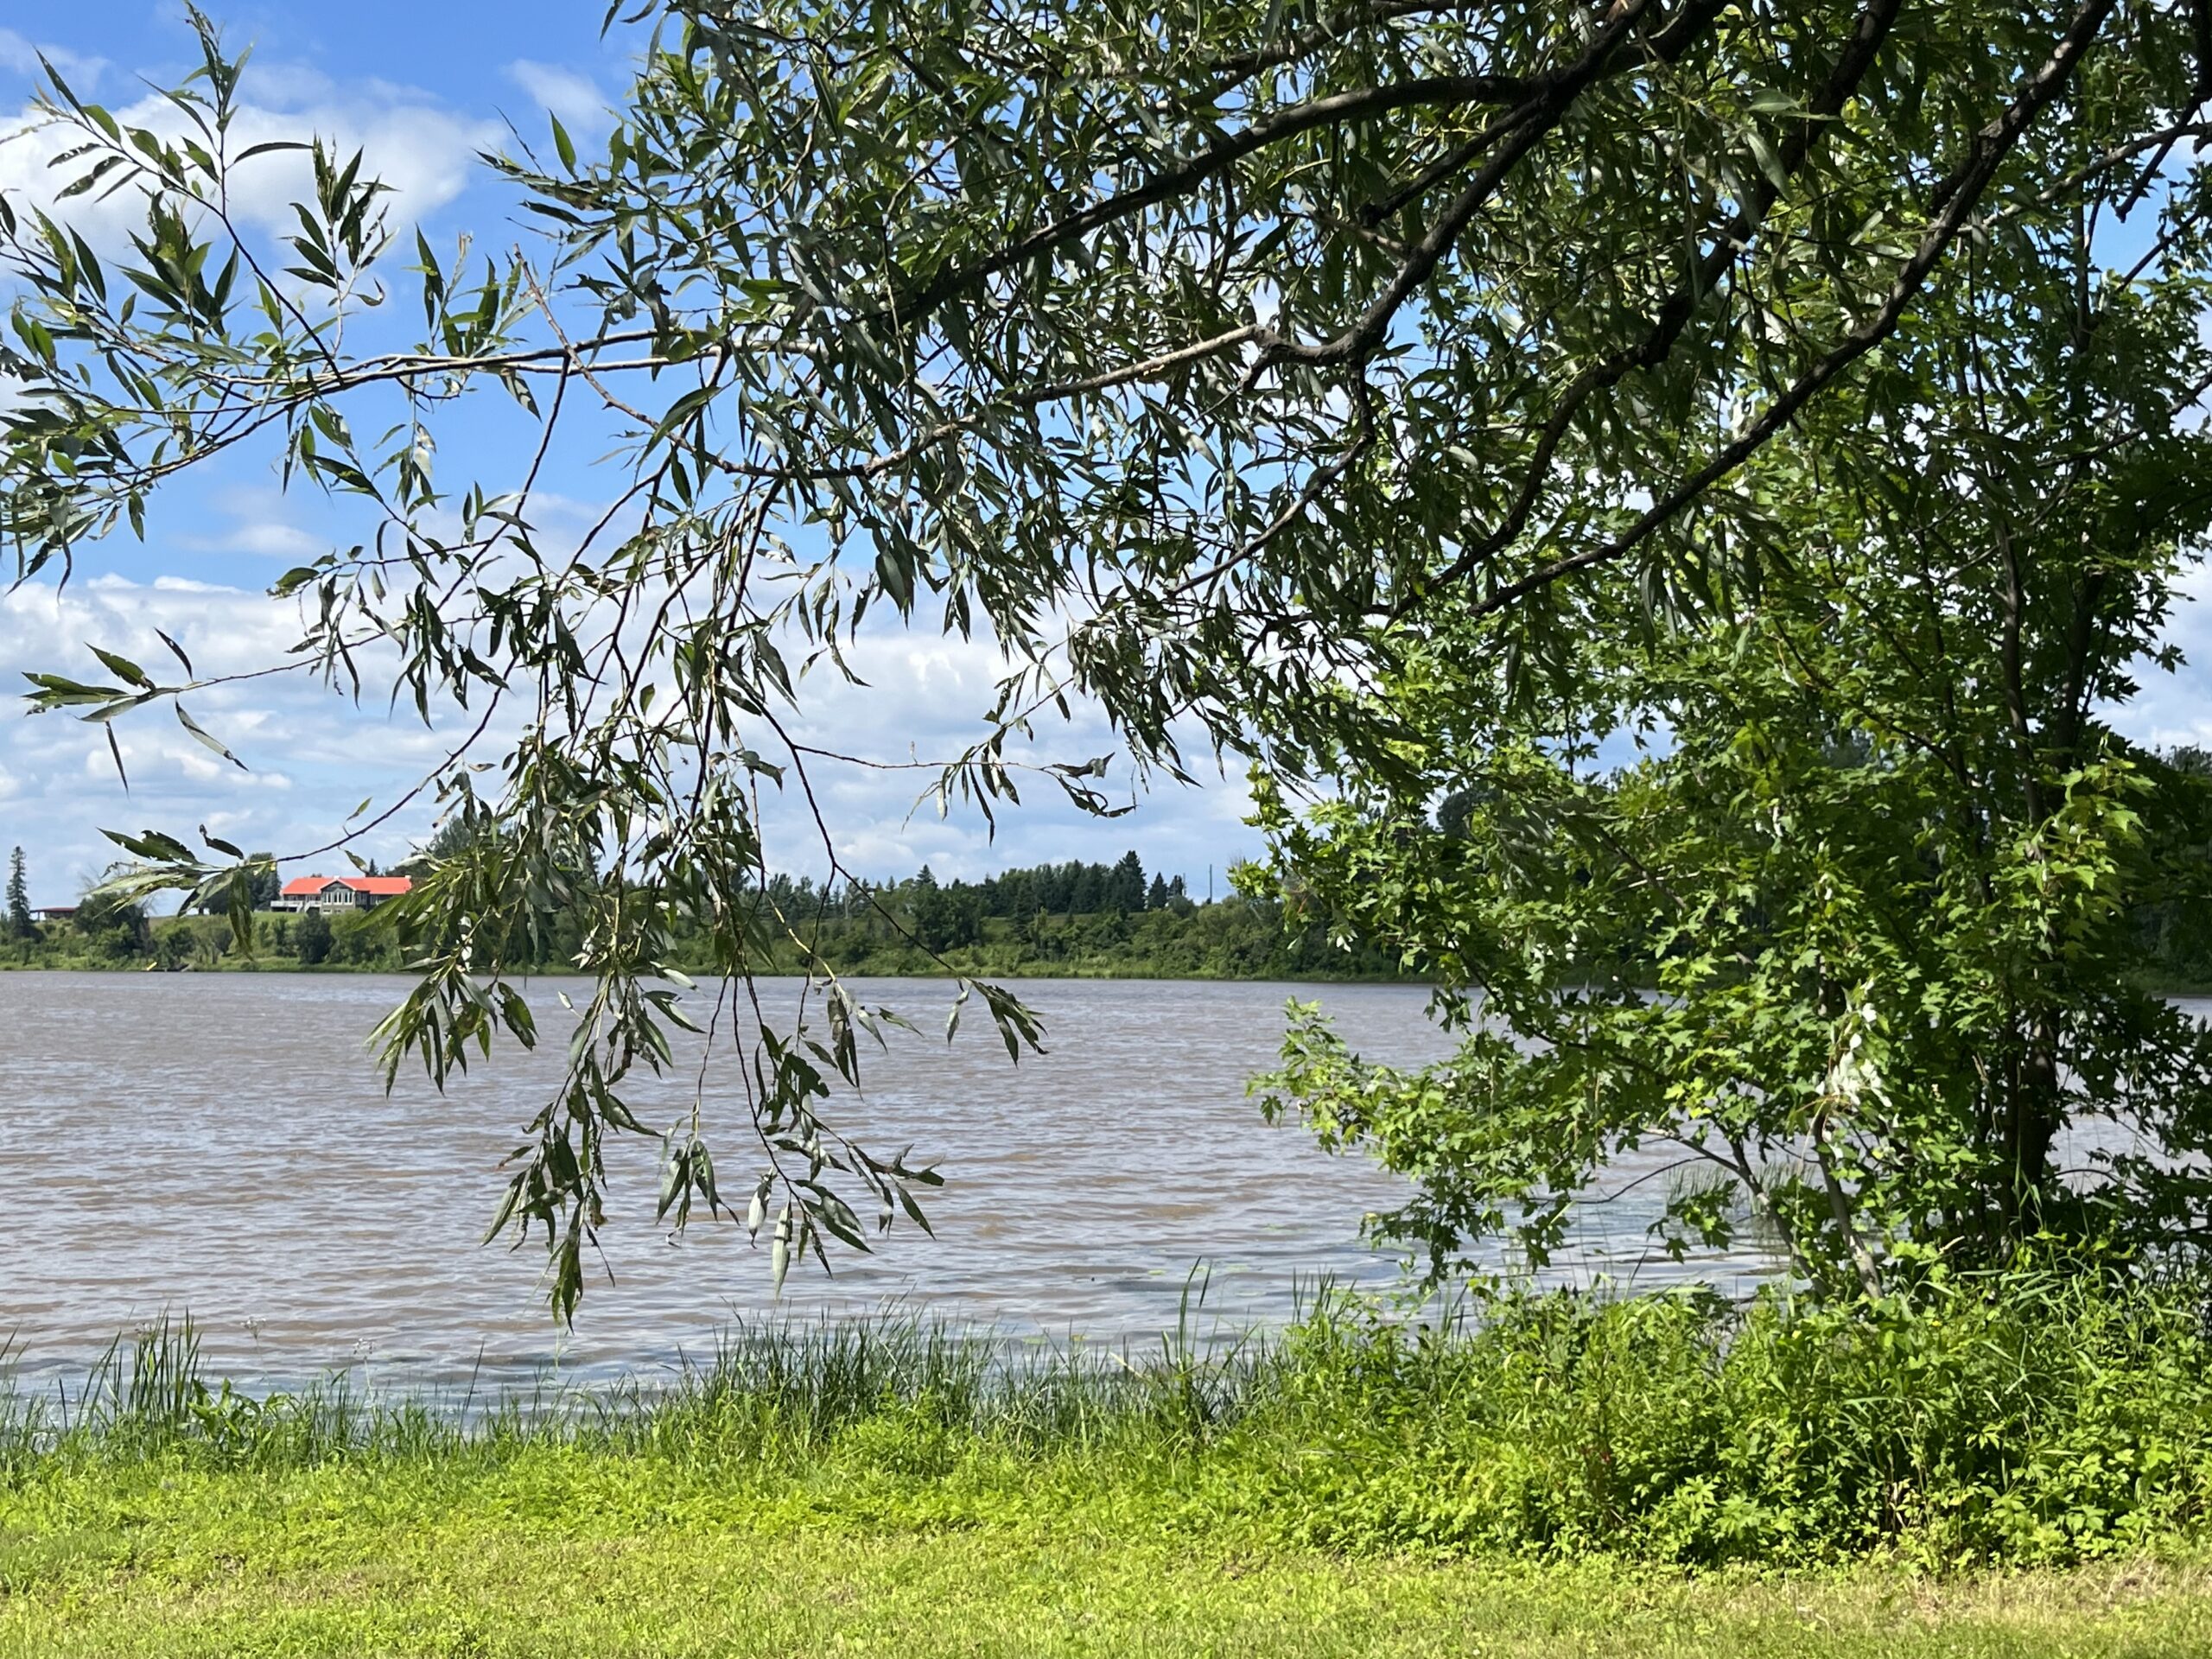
point(1956, 198)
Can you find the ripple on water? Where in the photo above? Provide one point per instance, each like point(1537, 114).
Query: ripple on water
point(222, 1144)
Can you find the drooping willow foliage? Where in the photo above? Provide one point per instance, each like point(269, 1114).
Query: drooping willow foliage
point(1222, 364)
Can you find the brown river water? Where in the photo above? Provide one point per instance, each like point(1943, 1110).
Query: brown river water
point(223, 1146)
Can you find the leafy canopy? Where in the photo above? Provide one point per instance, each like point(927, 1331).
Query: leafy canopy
point(1840, 788)
point(1229, 365)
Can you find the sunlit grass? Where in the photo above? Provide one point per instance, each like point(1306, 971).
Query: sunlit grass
point(307, 1570)
point(2017, 1468)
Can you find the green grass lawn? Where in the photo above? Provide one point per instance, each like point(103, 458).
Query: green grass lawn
point(598, 1553)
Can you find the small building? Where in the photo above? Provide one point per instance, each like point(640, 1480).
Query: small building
point(55, 912)
point(340, 892)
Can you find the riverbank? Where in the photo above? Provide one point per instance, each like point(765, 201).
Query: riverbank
point(2013, 1467)
point(1235, 939)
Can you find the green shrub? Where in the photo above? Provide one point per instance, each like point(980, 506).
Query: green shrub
point(311, 937)
point(2029, 1417)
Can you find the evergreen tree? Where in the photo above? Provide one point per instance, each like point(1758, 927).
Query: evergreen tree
point(1156, 897)
point(19, 903)
point(1086, 889)
point(1124, 885)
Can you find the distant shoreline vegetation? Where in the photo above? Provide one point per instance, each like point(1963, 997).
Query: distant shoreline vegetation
point(1069, 920)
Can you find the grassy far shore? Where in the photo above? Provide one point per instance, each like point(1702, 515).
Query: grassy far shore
point(2020, 1468)
point(1233, 939)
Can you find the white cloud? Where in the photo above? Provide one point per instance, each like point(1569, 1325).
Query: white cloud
point(21, 57)
point(575, 98)
point(2173, 709)
point(312, 753)
point(315, 754)
point(424, 152)
point(923, 700)
point(265, 537)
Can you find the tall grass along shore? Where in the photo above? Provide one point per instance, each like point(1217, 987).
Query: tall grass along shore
point(2014, 1465)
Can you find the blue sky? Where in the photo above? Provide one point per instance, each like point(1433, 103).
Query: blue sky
point(421, 87)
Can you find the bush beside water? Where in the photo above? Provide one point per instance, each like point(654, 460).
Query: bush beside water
point(2026, 1419)
point(2034, 1418)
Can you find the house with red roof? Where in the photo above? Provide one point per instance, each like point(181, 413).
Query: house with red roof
point(340, 892)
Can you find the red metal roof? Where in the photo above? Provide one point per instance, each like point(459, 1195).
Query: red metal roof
point(379, 886)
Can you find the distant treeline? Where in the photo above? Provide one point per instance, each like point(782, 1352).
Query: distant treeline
point(1075, 919)
point(948, 915)
point(1071, 889)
